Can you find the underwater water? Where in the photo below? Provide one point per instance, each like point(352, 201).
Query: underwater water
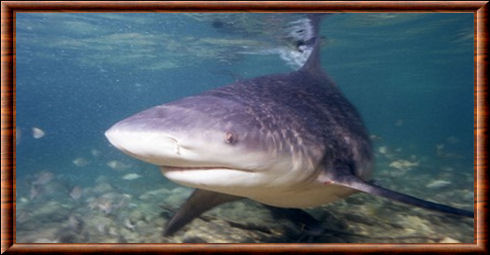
point(409, 75)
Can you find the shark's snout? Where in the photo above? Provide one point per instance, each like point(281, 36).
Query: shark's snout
point(151, 146)
point(187, 133)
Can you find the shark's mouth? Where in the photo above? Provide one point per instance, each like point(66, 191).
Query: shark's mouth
point(190, 168)
point(219, 179)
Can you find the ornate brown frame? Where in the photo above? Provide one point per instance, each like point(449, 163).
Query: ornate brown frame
point(9, 8)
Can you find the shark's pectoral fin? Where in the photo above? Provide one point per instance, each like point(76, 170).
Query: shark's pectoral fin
point(357, 183)
point(199, 202)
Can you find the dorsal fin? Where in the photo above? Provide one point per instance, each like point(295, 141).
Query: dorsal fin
point(313, 63)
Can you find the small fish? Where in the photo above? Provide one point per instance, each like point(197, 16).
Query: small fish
point(131, 176)
point(95, 152)
point(18, 134)
point(34, 192)
point(383, 149)
point(374, 137)
point(37, 132)
point(76, 192)
point(43, 178)
point(117, 165)
point(438, 184)
point(80, 162)
point(402, 164)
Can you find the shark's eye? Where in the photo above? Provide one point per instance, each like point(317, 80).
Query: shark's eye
point(230, 138)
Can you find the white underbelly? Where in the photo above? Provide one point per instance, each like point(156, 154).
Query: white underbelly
point(261, 187)
point(299, 196)
point(309, 197)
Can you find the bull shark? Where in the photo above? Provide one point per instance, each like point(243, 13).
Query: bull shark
point(288, 141)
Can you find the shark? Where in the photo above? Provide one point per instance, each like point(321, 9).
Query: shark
point(289, 141)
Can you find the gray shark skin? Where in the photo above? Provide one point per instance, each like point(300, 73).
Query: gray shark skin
point(285, 140)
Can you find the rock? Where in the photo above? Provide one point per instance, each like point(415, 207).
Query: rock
point(158, 193)
point(449, 240)
point(45, 240)
point(193, 239)
point(177, 196)
point(414, 223)
point(102, 188)
point(135, 216)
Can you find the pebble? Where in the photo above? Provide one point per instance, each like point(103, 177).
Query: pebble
point(449, 240)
